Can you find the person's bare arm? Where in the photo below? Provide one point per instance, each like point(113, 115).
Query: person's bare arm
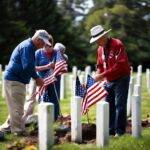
point(45, 67)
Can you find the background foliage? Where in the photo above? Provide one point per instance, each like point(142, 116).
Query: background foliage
point(69, 22)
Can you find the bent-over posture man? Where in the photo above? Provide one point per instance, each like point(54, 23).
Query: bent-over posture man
point(20, 69)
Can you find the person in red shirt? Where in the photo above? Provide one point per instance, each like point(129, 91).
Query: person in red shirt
point(113, 66)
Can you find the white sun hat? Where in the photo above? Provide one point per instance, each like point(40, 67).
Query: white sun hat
point(97, 32)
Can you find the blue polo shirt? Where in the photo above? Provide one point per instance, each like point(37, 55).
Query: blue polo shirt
point(41, 59)
point(21, 66)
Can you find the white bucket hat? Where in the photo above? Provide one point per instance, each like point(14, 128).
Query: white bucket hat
point(97, 32)
point(43, 34)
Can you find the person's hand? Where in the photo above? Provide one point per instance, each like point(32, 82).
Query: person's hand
point(98, 77)
point(39, 81)
point(50, 65)
point(97, 71)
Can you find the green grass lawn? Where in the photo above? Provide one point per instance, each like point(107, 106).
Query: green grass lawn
point(125, 142)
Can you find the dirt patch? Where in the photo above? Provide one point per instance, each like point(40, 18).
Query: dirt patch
point(145, 124)
point(63, 132)
point(88, 131)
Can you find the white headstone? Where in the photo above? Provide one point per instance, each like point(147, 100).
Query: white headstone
point(139, 79)
point(136, 112)
point(76, 125)
point(74, 71)
point(87, 71)
point(83, 73)
point(129, 100)
point(139, 69)
point(73, 86)
point(137, 90)
point(62, 87)
point(68, 84)
point(82, 79)
point(79, 72)
point(102, 123)
point(45, 120)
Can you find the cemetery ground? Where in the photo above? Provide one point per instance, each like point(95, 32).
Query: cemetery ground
point(125, 142)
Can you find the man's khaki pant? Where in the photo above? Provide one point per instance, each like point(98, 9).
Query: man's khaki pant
point(30, 103)
point(15, 98)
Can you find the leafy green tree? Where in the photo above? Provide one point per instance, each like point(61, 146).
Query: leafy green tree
point(130, 21)
point(20, 19)
point(10, 31)
point(72, 8)
point(103, 3)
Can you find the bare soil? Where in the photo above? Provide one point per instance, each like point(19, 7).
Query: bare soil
point(63, 132)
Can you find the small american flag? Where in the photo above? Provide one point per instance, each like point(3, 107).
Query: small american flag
point(80, 90)
point(60, 68)
point(95, 92)
point(61, 65)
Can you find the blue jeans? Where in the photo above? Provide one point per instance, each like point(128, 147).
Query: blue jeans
point(52, 95)
point(117, 99)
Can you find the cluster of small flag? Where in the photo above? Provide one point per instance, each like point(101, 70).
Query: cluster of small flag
point(91, 93)
point(60, 68)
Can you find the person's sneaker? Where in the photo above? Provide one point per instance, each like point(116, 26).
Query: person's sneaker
point(111, 132)
point(117, 135)
point(5, 129)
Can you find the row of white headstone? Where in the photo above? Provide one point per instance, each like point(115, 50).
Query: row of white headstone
point(68, 83)
point(46, 118)
point(65, 84)
point(102, 121)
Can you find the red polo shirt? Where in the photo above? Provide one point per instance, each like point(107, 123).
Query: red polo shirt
point(117, 64)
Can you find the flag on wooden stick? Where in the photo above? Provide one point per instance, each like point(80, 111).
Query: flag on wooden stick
point(95, 92)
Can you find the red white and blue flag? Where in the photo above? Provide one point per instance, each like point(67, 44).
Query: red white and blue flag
point(80, 89)
point(60, 65)
point(95, 92)
point(60, 68)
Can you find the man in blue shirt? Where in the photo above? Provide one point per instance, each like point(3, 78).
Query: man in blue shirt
point(18, 73)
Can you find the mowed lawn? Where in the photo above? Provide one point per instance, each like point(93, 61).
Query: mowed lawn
point(126, 142)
